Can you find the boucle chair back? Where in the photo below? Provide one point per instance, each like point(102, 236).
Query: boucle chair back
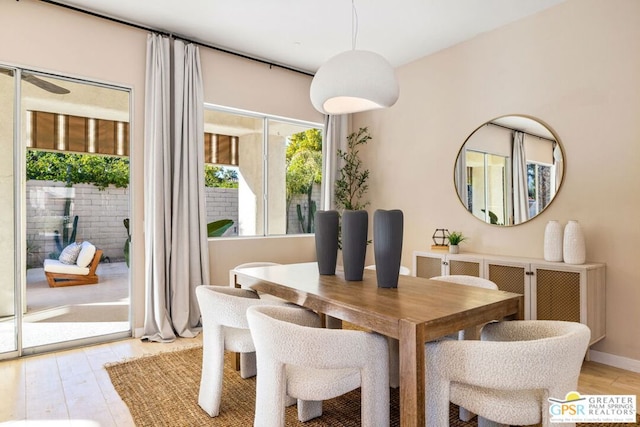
point(225, 327)
point(478, 282)
point(312, 364)
point(462, 279)
point(232, 273)
point(508, 376)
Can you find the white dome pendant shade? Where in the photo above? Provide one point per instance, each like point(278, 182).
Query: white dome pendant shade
point(354, 81)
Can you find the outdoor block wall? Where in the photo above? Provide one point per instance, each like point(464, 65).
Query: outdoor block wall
point(100, 216)
point(222, 203)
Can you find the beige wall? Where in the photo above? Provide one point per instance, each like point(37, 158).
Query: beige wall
point(50, 38)
point(576, 67)
point(226, 253)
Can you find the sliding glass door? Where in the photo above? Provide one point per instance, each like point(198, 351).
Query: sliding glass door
point(70, 155)
point(8, 244)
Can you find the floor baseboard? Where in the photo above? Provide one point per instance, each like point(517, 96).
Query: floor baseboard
point(615, 361)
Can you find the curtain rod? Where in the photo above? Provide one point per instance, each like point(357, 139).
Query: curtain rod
point(518, 130)
point(164, 33)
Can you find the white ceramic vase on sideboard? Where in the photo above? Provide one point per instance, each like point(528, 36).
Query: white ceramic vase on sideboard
point(573, 245)
point(553, 241)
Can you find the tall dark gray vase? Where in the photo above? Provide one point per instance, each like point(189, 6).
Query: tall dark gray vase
point(387, 246)
point(326, 223)
point(355, 225)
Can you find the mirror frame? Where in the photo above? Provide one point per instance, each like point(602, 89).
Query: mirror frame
point(505, 118)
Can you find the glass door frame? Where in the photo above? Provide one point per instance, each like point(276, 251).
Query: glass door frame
point(20, 223)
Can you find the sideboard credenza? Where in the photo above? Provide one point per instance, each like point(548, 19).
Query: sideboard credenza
point(552, 290)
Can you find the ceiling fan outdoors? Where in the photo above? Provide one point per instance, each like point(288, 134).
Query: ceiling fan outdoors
point(37, 81)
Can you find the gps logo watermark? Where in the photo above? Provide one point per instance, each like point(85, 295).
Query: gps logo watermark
point(603, 408)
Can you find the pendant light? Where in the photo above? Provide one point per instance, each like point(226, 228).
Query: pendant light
point(354, 81)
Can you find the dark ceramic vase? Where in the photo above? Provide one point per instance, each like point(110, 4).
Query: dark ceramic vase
point(355, 225)
point(326, 223)
point(387, 246)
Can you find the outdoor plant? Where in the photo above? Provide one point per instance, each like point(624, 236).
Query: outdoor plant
point(307, 223)
point(32, 250)
point(304, 171)
point(456, 237)
point(217, 228)
point(67, 222)
point(128, 242)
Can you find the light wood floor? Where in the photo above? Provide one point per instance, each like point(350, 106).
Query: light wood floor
point(73, 385)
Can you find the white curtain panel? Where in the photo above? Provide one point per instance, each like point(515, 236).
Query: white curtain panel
point(461, 178)
point(157, 191)
point(335, 137)
point(176, 257)
point(520, 190)
point(189, 265)
point(558, 162)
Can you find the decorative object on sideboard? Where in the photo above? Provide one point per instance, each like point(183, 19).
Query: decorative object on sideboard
point(326, 236)
point(439, 238)
point(573, 245)
point(553, 241)
point(455, 238)
point(355, 225)
point(387, 246)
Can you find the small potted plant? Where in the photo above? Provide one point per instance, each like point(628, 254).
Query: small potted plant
point(455, 238)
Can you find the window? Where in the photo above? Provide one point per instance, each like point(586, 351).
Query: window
point(539, 179)
point(487, 185)
point(262, 172)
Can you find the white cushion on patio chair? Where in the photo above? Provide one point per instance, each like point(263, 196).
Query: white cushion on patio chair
point(315, 364)
point(508, 375)
point(225, 327)
point(55, 266)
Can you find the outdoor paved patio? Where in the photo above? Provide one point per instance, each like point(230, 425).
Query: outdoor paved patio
point(72, 312)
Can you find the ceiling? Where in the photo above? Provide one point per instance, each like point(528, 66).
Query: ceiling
point(302, 34)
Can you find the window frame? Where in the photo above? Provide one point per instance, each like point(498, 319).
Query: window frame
point(266, 118)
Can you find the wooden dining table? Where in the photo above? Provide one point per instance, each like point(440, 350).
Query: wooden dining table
point(417, 311)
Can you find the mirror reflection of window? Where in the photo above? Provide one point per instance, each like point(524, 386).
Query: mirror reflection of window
point(539, 178)
point(485, 170)
point(487, 186)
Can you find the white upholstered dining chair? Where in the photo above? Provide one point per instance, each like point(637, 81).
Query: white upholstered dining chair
point(233, 278)
point(233, 281)
point(462, 279)
point(506, 377)
point(224, 327)
point(479, 282)
point(311, 364)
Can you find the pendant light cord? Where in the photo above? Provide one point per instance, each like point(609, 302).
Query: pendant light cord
point(354, 25)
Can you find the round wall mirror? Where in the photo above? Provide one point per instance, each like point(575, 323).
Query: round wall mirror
point(509, 170)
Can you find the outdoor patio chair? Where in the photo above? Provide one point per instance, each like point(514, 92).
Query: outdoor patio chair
point(81, 272)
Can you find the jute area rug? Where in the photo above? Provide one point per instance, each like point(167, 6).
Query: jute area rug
point(162, 390)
